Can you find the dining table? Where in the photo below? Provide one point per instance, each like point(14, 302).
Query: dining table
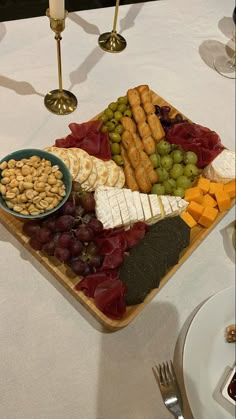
point(56, 360)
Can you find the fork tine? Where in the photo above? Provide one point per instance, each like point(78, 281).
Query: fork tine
point(156, 375)
point(172, 371)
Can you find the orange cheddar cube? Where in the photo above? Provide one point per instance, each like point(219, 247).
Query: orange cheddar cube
point(208, 216)
point(188, 219)
point(194, 194)
point(215, 187)
point(195, 210)
point(208, 201)
point(204, 184)
point(223, 200)
point(230, 188)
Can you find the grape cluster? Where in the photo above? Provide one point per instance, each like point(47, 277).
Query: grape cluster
point(69, 235)
point(176, 169)
point(111, 117)
point(164, 114)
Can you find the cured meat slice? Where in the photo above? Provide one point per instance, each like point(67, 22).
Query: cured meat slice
point(193, 137)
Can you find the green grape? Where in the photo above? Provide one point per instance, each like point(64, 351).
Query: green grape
point(118, 115)
point(179, 192)
point(163, 147)
point(115, 137)
point(183, 182)
point(166, 162)
point(190, 157)
point(176, 171)
point(128, 113)
point(104, 128)
point(108, 112)
point(118, 159)
point(167, 186)
point(113, 106)
point(158, 189)
point(110, 126)
point(103, 118)
point(177, 156)
point(115, 148)
point(123, 99)
point(119, 129)
point(121, 108)
point(191, 170)
point(172, 182)
point(162, 174)
point(155, 159)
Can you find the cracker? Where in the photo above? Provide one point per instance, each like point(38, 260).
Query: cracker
point(59, 152)
point(121, 179)
point(102, 172)
point(85, 164)
point(90, 181)
point(74, 162)
point(113, 172)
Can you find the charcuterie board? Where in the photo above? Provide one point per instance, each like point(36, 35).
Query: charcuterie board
point(69, 280)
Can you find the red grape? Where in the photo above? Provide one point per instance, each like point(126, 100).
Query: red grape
point(92, 248)
point(78, 266)
point(43, 235)
point(87, 201)
point(75, 247)
point(31, 227)
point(64, 240)
point(62, 254)
point(64, 222)
point(50, 223)
point(84, 233)
point(96, 225)
point(69, 208)
point(96, 261)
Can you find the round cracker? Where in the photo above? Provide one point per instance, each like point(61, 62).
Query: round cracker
point(59, 152)
point(121, 179)
point(74, 162)
point(85, 165)
point(102, 172)
point(90, 182)
point(113, 172)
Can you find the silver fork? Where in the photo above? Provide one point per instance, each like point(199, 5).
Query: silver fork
point(166, 379)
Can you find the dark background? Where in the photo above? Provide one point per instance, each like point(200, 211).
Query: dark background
point(20, 9)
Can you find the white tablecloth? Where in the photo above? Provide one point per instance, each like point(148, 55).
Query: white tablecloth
point(55, 362)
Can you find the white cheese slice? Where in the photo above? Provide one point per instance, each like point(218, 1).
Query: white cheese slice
point(173, 203)
point(155, 208)
point(146, 207)
point(103, 209)
point(222, 168)
point(114, 205)
point(129, 197)
point(166, 205)
point(138, 206)
point(123, 207)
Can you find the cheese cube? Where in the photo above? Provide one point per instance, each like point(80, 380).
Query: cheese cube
point(195, 210)
point(188, 219)
point(230, 188)
point(194, 194)
point(208, 216)
point(204, 184)
point(208, 201)
point(223, 200)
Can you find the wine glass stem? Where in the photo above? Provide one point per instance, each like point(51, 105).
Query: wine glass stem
point(232, 61)
point(116, 16)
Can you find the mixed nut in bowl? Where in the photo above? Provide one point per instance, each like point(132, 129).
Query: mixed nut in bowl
point(33, 183)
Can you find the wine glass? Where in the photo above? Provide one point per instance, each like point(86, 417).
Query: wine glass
point(225, 65)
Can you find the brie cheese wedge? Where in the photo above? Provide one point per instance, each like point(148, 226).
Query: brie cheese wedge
point(222, 168)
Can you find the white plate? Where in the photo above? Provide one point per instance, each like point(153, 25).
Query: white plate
point(208, 357)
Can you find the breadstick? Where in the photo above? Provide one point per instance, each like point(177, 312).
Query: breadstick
point(133, 97)
point(127, 139)
point(147, 164)
point(128, 123)
point(134, 156)
point(130, 178)
point(149, 107)
point(142, 179)
point(138, 114)
point(157, 130)
point(149, 145)
point(144, 92)
point(138, 141)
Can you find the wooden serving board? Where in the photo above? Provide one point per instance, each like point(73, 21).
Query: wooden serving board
point(65, 276)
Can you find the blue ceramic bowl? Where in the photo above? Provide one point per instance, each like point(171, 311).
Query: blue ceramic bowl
point(26, 153)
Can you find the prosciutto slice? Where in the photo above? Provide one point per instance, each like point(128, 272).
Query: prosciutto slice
point(193, 137)
point(110, 298)
point(88, 137)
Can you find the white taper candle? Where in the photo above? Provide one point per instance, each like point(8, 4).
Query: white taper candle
point(57, 9)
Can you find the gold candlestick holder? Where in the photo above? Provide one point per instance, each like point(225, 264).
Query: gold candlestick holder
point(59, 101)
point(112, 41)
